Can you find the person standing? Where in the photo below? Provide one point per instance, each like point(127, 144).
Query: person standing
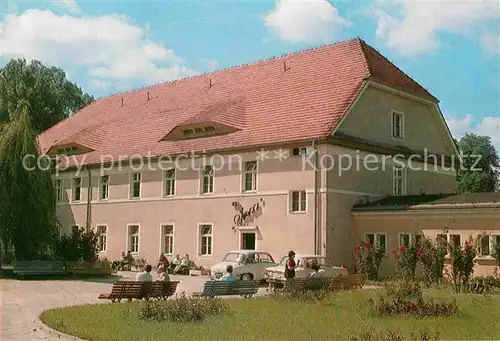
point(290, 265)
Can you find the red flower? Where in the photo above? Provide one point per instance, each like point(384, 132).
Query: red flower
point(367, 245)
point(420, 252)
point(402, 248)
point(394, 252)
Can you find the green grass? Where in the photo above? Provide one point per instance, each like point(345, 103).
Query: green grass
point(344, 315)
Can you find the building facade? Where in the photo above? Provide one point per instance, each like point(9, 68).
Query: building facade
point(271, 155)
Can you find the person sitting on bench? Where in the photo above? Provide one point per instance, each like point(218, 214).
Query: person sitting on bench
point(162, 274)
point(163, 261)
point(183, 265)
point(229, 276)
point(176, 262)
point(316, 271)
point(145, 276)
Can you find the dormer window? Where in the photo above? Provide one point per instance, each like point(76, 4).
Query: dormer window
point(209, 129)
point(198, 130)
point(67, 151)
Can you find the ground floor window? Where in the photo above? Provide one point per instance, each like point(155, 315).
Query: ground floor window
point(102, 232)
point(168, 239)
point(488, 244)
point(379, 240)
point(205, 232)
point(133, 238)
point(409, 239)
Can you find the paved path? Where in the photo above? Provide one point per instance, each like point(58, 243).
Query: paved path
point(22, 302)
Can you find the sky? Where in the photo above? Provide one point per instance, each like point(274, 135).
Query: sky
point(109, 46)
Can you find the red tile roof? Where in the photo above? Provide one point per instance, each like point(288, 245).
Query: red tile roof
point(266, 103)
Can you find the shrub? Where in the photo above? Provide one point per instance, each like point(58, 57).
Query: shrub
point(81, 246)
point(389, 335)
point(406, 261)
point(431, 257)
point(183, 309)
point(406, 298)
point(298, 294)
point(483, 285)
point(368, 259)
point(462, 266)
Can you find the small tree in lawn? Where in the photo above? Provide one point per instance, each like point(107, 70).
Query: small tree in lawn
point(28, 208)
point(406, 261)
point(462, 263)
point(368, 259)
point(431, 257)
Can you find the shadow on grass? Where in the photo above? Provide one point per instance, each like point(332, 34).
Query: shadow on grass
point(9, 274)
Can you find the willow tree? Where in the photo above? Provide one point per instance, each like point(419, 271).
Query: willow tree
point(27, 198)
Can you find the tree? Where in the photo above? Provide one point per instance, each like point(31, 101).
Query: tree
point(478, 171)
point(27, 199)
point(46, 91)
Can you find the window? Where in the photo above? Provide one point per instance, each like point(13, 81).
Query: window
point(250, 176)
point(209, 128)
point(168, 239)
point(208, 180)
point(397, 125)
point(298, 202)
point(455, 240)
point(77, 189)
point(104, 187)
point(59, 191)
point(265, 258)
point(135, 188)
point(205, 240)
point(399, 180)
point(74, 229)
point(302, 151)
point(102, 232)
point(377, 239)
point(442, 240)
point(169, 182)
point(484, 246)
point(408, 239)
point(133, 238)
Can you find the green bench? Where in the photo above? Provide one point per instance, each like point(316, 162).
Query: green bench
point(213, 289)
point(140, 290)
point(39, 268)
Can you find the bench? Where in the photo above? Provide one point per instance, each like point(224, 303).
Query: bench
point(245, 289)
point(345, 282)
point(305, 283)
point(138, 290)
point(37, 267)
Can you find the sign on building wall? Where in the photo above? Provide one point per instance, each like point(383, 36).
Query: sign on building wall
point(244, 217)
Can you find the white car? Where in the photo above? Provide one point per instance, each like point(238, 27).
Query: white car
point(277, 274)
point(247, 264)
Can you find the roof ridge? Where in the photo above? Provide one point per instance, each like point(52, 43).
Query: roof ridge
point(214, 72)
point(362, 45)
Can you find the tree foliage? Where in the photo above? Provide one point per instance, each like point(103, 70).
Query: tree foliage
point(478, 172)
point(27, 201)
point(48, 94)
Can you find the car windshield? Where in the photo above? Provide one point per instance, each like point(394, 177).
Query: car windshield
point(231, 257)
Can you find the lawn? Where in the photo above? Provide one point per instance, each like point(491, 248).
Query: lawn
point(342, 316)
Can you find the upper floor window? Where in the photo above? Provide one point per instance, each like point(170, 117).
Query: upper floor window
point(298, 201)
point(399, 182)
point(58, 184)
point(207, 180)
point(302, 151)
point(104, 187)
point(397, 125)
point(250, 176)
point(135, 186)
point(77, 189)
point(169, 182)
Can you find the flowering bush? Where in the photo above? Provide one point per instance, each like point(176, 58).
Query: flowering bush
point(462, 264)
point(406, 298)
point(406, 261)
point(431, 257)
point(483, 285)
point(389, 335)
point(368, 259)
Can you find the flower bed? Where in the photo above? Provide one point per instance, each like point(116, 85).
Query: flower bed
point(99, 267)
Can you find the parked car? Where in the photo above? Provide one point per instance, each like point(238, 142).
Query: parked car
point(277, 274)
point(253, 266)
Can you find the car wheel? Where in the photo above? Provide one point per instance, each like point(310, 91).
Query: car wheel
point(246, 277)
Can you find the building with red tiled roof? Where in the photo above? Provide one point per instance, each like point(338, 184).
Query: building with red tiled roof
point(253, 156)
